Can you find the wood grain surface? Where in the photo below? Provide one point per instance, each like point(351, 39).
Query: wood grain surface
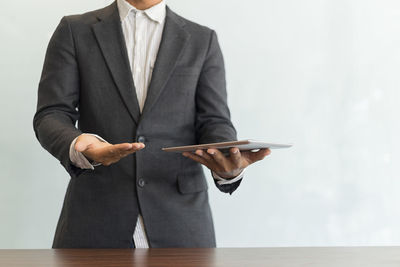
point(221, 257)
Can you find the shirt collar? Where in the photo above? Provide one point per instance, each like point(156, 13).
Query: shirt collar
point(156, 12)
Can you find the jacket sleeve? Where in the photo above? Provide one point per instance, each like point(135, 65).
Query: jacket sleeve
point(213, 123)
point(58, 97)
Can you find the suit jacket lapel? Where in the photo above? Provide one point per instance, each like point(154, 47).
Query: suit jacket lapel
point(109, 35)
point(173, 41)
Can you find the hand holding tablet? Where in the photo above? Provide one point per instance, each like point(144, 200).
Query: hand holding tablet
point(243, 145)
point(227, 159)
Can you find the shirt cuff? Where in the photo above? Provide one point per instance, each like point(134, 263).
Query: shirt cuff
point(222, 181)
point(78, 159)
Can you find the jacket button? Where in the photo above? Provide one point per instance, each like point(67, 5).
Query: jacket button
point(141, 182)
point(141, 139)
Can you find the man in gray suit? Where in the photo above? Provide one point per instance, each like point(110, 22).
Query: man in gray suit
point(136, 77)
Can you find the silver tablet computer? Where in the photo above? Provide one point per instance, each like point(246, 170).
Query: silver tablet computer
point(243, 145)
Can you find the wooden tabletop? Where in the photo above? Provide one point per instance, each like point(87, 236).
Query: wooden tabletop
point(221, 257)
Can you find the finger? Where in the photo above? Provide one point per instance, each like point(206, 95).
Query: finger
point(135, 148)
point(138, 146)
point(219, 158)
point(235, 156)
point(126, 149)
point(122, 147)
point(196, 157)
point(205, 156)
point(199, 152)
point(257, 156)
point(113, 153)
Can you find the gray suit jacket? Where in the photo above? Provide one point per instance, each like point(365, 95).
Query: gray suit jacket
point(86, 78)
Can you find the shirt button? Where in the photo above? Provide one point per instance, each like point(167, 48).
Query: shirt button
point(138, 69)
point(141, 139)
point(141, 182)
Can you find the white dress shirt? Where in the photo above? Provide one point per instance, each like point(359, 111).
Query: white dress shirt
point(142, 31)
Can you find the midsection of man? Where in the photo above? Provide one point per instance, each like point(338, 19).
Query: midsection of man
point(87, 77)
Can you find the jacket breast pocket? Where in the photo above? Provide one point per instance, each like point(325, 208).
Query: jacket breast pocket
point(192, 182)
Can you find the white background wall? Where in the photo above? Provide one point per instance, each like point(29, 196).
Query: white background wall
point(322, 74)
